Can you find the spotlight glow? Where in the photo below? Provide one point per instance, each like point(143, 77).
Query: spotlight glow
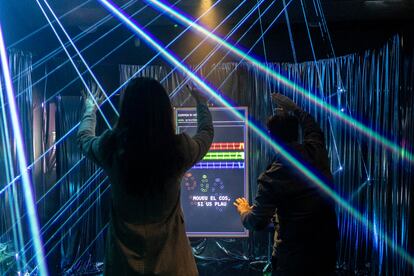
point(206, 88)
point(21, 159)
point(6, 187)
point(368, 132)
point(217, 48)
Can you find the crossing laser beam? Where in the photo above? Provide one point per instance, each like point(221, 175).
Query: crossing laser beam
point(177, 89)
point(365, 130)
point(217, 47)
point(80, 56)
point(207, 89)
point(21, 159)
point(6, 187)
point(57, 50)
point(73, 63)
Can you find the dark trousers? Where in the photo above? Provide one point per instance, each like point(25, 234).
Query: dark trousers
point(304, 259)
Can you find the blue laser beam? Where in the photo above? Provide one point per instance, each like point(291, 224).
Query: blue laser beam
point(135, 27)
point(46, 25)
point(74, 65)
point(155, 56)
point(360, 188)
point(56, 51)
point(65, 207)
point(75, 39)
point(292, 44)
point(77, 221)
point(217, 47)
point(81, 57)
point(87, 248)
point(106, 55)
point(39, 158)
point(167, 46)
point(340, 167)
point(57, 183)
point(178, 88)
point(312, 47)
point(13, 203)
point(365, 130)
point(21, 158)
point(116, 91)
point(251, 48)
point(262, 36)
point(319, 78)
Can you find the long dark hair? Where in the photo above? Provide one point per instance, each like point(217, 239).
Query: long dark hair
point(147, 144)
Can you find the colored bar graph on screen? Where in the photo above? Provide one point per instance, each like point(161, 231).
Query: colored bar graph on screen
point(227, 146)
point(218, 165)
point(219, 155)
point(212, 184)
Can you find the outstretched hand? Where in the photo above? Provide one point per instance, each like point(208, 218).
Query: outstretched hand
point(242, 205)
point(284, 102)
point(94, 98)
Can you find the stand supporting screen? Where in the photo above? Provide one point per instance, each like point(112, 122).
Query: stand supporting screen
point(210, 187)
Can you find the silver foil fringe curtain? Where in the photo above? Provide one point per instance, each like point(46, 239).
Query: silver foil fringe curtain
point(376, 88)
point(14, 232)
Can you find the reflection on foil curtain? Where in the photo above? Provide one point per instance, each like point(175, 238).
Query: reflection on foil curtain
point(82, 192)
point(14, 228)
point(376, 88)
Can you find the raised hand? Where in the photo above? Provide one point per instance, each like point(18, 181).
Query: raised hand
point(284, 102)
point(94, 98)
point(196, 94)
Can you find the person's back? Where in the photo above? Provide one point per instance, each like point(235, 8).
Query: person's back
point(145, 160)
point(307, 227)
point(307, 222)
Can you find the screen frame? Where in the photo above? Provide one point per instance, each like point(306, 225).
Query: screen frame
point(245, 233)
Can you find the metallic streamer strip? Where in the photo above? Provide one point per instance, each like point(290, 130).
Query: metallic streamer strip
point(219, 98)
point(368, 132)
point(21, 157)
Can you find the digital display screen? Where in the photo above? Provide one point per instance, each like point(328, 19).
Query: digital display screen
point(211, 186)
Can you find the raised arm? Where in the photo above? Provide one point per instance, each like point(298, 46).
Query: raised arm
point(200, 143)
point(312, 132)
point(87, 140)
point(314, 141)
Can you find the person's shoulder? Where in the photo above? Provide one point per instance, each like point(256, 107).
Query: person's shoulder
point(184, 143)
point(182, 139)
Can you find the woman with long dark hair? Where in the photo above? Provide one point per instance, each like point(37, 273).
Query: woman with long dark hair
point(145, 161)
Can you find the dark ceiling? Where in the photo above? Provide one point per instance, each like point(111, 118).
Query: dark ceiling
point(26, 12)
point(21, 17)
